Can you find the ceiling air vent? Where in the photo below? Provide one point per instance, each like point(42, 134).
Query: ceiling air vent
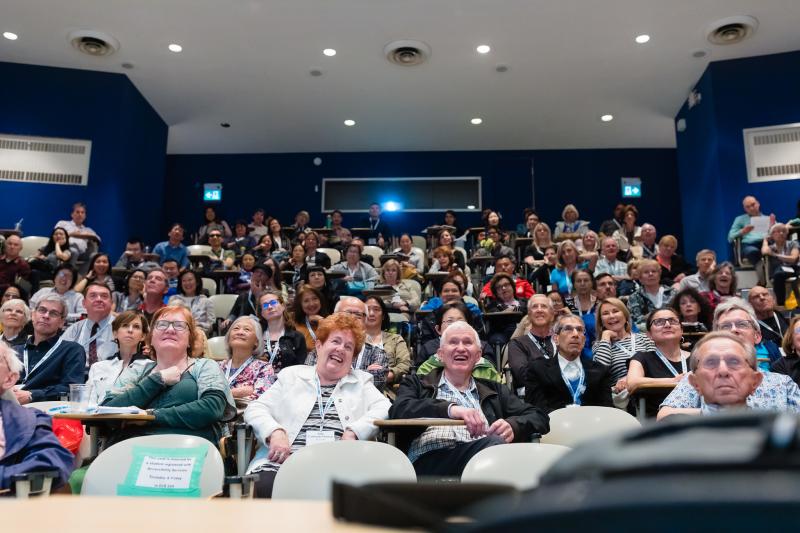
point(772, 153)
point(731, 30)
point(407, 53)
point(93, 43)
point(44, 160)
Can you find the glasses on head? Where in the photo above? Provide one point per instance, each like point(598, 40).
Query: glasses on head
point(733, 362)
point(52, 313)
point(270, 304)
point(177, 325)
point(571, 329)
point(661, 322)
point(736, 324)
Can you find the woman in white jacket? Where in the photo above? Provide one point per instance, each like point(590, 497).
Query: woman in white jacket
point(311, 404)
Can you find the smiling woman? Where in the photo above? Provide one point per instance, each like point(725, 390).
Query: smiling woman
point(311, 404)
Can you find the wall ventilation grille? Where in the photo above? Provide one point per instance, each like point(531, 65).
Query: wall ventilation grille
point(44, 160)
point(772, 153)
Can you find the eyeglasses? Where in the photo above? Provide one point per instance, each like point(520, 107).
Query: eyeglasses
point(731, 361)
point(502, 286)
point(271, 303)
point(736, 324)
point(661, 322)
point(52, 313)
point(177, 325)
point(357, 314)
point(570, 329)
point(215, 236)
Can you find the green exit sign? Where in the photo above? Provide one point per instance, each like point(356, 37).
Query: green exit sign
point(631, 187)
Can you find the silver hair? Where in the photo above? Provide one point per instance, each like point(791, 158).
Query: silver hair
point(559, 325)
point(55, 297)
point(8, 353)
point(549, 302)
point(735, 304)
point(258, 351)
point(458, 326)
point(346, 299)
point(16, 301)
point(749, 349)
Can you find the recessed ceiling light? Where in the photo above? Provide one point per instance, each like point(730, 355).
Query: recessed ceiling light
point(484, 49)
point(175, 48)
point(10, 36)
point(330, 52)
point(607, 118)
point(643, 38)
point(476, 121)
point(349, 122)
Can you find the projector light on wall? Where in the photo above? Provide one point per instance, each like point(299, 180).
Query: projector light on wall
point(392, 206)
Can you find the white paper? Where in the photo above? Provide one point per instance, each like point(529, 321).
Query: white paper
point(316, 437)
point(165, 472)
point(760, 224)
point(105, 410)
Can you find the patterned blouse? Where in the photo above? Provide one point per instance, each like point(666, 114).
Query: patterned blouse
point(257, 374)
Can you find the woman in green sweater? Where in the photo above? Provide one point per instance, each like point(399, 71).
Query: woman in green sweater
point(187, 396)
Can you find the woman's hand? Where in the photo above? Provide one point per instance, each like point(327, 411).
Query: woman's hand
point(314, 318)
point(609, 336)
point(279, 446)
point(170, 376)
point(349, 435)
point(679, 377)
point(243, 391)
point(621, 385)
point(374, 366)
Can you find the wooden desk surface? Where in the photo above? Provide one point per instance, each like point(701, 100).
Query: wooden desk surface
point(662, 386)
point(157, 515)
point(417, 422)
point(85, 417)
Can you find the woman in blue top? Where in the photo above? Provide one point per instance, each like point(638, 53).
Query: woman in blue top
point(560, 277)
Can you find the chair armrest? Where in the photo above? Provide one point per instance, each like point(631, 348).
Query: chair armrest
point(240, 487)
point(34, 483)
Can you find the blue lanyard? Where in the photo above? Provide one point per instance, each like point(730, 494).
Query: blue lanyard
point(327, 407)
point(311, 330)
point(576, 392)
point(273, 351)
point(239, 370)
point(669, 365)
point(463, 399)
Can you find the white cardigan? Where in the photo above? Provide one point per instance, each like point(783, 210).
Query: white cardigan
point(288, 402)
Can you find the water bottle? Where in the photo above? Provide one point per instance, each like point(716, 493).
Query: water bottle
point(18, 225)
point(329, 221)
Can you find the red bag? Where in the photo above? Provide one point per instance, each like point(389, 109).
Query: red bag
point(69, 433)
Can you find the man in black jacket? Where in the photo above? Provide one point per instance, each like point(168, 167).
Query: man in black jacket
point(567, 379)
point(491, 413)
point(50, 363)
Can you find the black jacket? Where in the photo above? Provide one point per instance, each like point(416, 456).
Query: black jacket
point(545, 388)
point(416, 398)
point(51, 380)
point(521, 351)
point(789, 365)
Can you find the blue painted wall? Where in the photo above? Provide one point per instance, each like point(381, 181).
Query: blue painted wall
point(736, 94)
point(126, 173)
point(284, 183)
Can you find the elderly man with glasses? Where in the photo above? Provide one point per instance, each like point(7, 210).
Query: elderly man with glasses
point(50, 363)
point(724, 372)
point(776, 392)
point(566, 378)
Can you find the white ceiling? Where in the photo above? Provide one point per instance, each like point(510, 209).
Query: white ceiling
point(248, 62)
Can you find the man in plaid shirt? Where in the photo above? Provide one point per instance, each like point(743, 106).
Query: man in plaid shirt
point(492, 414)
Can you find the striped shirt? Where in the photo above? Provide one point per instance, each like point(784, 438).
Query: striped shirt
point(617, 354)
point(312, 423)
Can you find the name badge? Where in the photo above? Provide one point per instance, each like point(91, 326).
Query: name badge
point(316, 437)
